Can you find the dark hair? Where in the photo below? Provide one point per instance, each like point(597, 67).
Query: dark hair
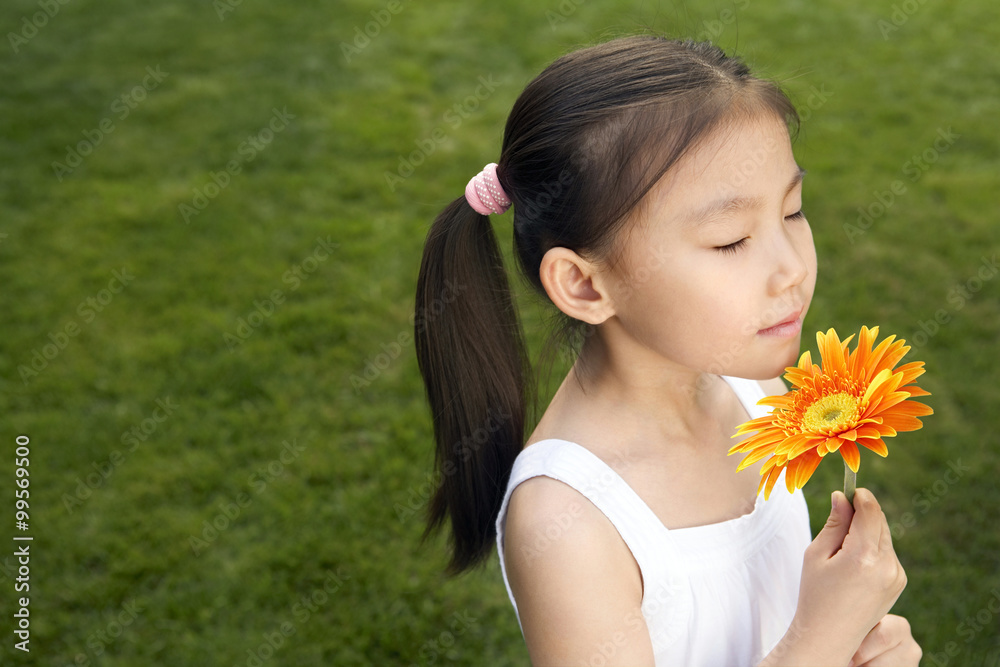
point(584, 143)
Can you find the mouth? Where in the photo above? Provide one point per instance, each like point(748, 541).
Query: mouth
point(790, 326)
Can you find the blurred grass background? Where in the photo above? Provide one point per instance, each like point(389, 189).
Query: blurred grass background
point(260, 520)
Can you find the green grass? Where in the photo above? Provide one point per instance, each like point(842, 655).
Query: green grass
point(117, 580)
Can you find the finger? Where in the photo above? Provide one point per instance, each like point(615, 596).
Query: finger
point(905, 654)
point(866, 526)
point(888, 643)
point(885, 538)
point(876, 642)
point(830, 539)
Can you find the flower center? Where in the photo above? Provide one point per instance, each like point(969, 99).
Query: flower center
point(831, 413)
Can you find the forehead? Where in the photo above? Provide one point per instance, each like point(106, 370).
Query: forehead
point(749, 159)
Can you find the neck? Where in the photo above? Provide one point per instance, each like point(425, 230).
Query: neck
point(649, 390)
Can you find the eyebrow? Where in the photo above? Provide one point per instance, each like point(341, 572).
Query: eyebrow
point(736, 204)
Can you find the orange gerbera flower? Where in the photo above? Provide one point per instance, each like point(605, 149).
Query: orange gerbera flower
point(856, 398)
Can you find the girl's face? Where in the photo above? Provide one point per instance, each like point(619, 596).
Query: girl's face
point(721, 268)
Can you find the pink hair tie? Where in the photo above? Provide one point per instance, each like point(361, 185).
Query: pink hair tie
point(484, 193)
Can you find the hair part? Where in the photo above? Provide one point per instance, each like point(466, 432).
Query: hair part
point(584, 143)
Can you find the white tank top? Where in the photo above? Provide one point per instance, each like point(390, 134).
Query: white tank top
point(720, 595)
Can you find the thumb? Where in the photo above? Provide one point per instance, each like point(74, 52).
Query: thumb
point(831, 537)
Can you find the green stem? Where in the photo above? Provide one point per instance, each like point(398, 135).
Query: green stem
point(850, 483)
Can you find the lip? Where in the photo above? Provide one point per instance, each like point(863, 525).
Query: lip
point(786, 328)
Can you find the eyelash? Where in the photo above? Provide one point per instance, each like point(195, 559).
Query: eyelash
point(733, 248)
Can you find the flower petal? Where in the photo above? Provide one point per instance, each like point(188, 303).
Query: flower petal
point(911, 371)
point(876, 385)
point(832, 352)
point(874, 431)
point(876, 445)
point(805, 466)
point(754, 425)
point(913, 409)
point(831, 445)
point(902, 422)
point(796, 444)
point(852, 457)
point(875, 358)
point(780, 402)
point(772, 477)
point(859, 358)
point(884, 402)
point(753, 457)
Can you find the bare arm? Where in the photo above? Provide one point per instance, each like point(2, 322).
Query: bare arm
point(578, 588)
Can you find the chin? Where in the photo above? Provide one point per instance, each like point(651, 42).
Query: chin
point(768, 369)
point(792, 357)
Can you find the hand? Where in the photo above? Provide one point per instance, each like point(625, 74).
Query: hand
point(850, 580)
point(889, 644)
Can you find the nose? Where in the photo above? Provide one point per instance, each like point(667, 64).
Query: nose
point(793, 249)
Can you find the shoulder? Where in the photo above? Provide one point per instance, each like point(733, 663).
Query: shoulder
point(565, 560)
point(544, 513)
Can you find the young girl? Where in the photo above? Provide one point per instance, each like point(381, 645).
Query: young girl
point(657, 205)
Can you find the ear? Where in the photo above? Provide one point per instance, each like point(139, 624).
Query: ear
point(575, 286)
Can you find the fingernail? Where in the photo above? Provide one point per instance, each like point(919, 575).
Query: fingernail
point(833, 500)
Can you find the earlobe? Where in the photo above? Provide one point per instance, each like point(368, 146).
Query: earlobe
point(575, 286)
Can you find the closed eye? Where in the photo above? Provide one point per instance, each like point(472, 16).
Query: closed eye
point(733, 248)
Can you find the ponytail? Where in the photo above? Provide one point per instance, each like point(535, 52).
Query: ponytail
point(471, 353)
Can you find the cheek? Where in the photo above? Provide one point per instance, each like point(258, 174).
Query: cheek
point(807, 249)
point(687, 315)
